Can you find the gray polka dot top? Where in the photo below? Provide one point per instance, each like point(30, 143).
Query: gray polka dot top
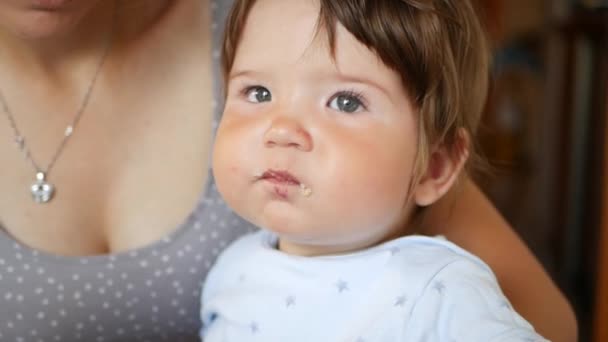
point(147, 294)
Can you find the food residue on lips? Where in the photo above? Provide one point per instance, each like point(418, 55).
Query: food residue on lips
point(306, 191)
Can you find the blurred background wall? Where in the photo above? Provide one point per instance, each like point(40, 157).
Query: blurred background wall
point(544, 133)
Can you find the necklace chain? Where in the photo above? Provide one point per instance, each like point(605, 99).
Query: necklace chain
point(19, 139)
point(41, 190)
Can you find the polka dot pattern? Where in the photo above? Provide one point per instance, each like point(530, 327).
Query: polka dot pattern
point(151, 294)
point(148, 294)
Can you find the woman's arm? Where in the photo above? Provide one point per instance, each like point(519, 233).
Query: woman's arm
point(466, 217)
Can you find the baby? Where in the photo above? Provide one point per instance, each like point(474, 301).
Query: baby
point(343, 120)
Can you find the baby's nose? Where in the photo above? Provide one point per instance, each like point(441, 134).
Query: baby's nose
point(287, 131)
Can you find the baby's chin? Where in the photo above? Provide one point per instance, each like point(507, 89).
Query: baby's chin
point(292, 228)
point(285, 227)
point(281, 218)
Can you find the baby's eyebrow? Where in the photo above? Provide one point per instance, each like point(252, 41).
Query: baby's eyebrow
point(358, 79)
point(244, 73)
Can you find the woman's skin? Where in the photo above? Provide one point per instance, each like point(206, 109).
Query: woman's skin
point(120, 182)
point(466, 217)
point(136, 163)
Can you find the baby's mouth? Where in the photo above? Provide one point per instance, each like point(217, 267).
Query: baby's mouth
point(284, 178)
point(280, 177)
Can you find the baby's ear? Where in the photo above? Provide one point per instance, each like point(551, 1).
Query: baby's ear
point(444, 166)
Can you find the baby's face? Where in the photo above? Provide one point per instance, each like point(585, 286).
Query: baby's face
point(319, 151)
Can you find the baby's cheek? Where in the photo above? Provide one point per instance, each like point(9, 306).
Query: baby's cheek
point(357, 203)
point(228, 174)
point(379, 210)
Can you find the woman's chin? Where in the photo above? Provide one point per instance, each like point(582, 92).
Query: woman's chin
point(41, 26)
point(31, 23)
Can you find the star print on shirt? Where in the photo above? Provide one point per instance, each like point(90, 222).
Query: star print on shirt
point(342, 286)
point(400, 301)
point(438, 285)
point(242, 278)
point(290, 301)
point(254, 328)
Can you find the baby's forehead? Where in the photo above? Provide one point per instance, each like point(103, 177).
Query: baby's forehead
point(349, 61)
point(302, 39)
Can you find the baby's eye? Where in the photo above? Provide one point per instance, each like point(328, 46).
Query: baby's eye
point(257, 94)
point(347, 102)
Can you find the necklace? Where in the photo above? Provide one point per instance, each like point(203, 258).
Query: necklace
point(43, 191)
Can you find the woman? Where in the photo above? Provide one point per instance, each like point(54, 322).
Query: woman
point(109, 216)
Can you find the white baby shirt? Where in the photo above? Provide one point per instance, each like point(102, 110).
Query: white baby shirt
point(413, 288)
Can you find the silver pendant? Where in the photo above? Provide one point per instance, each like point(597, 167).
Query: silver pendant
point(42, 191)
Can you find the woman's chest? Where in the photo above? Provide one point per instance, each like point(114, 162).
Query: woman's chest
point(131, 172)
point(146, 294)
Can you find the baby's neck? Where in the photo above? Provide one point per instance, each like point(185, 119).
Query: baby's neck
point(314, 249)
